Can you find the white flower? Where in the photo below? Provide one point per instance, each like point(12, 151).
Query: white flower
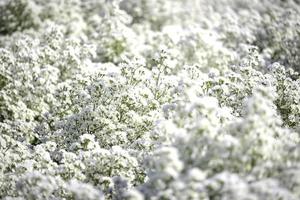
point(82, 191)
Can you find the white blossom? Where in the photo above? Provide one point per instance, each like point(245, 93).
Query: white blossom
point(149, 99)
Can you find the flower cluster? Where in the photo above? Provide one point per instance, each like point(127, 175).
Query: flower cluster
point(160, 99)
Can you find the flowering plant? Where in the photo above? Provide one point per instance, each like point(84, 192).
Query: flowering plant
point(160, 99)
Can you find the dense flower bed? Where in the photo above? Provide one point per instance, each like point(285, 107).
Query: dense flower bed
point(150, 99)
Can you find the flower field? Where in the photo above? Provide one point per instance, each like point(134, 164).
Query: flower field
point(149, 99)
